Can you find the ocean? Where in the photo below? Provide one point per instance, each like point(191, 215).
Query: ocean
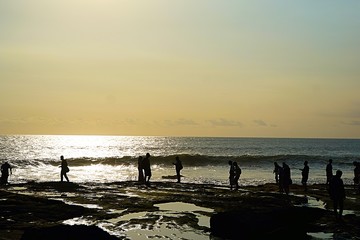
point(205, 159)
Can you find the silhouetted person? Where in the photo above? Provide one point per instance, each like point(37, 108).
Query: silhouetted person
point(140, 169)
point(281, 179)
point(329, 171)
point(178, 167)
point(276, 172)
point(231, 175)
point(64, 169)
point(337, 193)
point(147, 168)
point(357, 176)
point(305, 175)
point(287, 178)
point(237, 173)
point(5, 170)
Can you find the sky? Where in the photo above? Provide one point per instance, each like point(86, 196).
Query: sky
point(180, 68)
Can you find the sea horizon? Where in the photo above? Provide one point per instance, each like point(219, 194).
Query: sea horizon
point(205, 159)
point(178, 136)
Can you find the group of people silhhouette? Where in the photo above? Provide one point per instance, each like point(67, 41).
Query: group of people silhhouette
point(6, 169)
point(234, 175)
point(282, 177)
point(144, 169)
point(334, 182)
point(336, 189)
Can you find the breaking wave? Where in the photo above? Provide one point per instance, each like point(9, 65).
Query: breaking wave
point(193, 160)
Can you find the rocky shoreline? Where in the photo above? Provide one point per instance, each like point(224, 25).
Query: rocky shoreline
point(121, 210)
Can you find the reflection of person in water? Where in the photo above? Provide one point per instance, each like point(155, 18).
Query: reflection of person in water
point(140, 170)
point(337, 193)
point(64, 169)
point(305, 175)
point(5, 169)
point(147, 168)
point(178, 167)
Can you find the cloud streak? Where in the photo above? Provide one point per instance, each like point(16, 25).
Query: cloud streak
point(222, 122)
point(181, 122)
point(260, 123)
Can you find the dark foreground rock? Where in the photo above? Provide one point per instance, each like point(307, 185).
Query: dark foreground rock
point(38, 211)
point(20, 211)
point(67, 232)
point(265, 224)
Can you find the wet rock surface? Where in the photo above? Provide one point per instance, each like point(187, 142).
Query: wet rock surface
point(125, 208)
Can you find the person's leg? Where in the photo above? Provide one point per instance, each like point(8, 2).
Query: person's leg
point(286, 188)
point(236, 183)
point(304, 182)
point(147, 176)
point(61, 176)
point(6, 178)
point(281, 186)
point(341, 207)
point(178, 175)
point(66, 177)
point(335, 202)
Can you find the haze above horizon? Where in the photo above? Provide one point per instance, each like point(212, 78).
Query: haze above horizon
point(180, 68)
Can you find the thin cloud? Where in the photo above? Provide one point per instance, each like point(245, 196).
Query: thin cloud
point(260, 123)
point(352, 123)
point(225, 123)
point(181, 122)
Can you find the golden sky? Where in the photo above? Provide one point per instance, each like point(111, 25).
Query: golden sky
point(180, 68)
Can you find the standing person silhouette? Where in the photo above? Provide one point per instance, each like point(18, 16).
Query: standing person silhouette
point(281, 179)
point(329, 172)
point(178, 167)
point(140, 169)
point(305, 175)
point(64, 169)
point(147, 169)
point(231, 175)
point(337, 193)
point(5, 169)
point(276, 172)
point(287, 178)
point(237, 173)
